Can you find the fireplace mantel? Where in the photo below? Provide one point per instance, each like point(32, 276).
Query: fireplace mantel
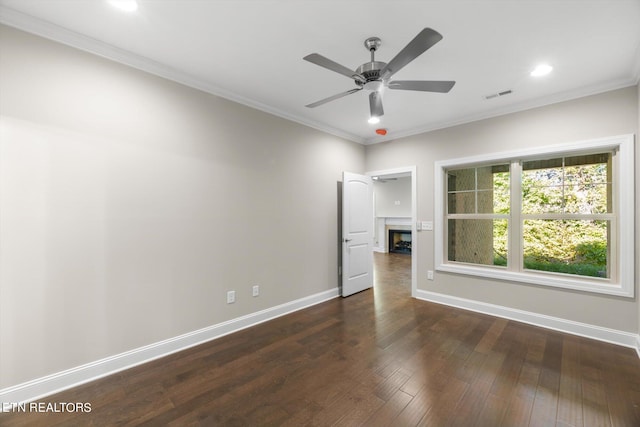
point(383, 224)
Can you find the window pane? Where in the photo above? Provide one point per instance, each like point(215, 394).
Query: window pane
point(588, 185)
point(587, 198)
point(478, 241)
point(496, 199)
point(478, 190)
point(462, 202)
point(485, 201)
point(485, 177)
point(586, 173)
point(542, 172)
point(566, 246)
point(578, 185)
point(542, 186)
point(501, 200)
point(461, 180)
point(541, 199)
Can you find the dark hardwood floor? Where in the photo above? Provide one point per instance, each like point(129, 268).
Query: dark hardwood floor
point(377, 358)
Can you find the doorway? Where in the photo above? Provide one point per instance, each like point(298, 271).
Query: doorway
point(396, 215)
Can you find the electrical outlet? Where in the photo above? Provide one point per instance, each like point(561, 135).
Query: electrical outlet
point(231, 297)
point(256, 290)
point(430, 275)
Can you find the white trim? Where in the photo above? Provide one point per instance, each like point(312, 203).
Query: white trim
point(397, 221)
point(62, 35)
point(540, 278)
point(587, 146)
point(414, 215)
point(636, 67)
point(50, 384)
point(622, 338)
point(626, 220)
point(544, 101)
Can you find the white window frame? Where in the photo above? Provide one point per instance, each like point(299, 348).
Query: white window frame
point(621, 283)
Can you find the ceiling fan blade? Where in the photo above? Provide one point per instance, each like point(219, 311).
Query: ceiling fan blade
point(325, 62)
point(334, 97)
point(422, 85)
point(420, 43)
point(375, 104)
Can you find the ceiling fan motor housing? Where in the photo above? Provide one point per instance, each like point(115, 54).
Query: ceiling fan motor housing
point(371, 72)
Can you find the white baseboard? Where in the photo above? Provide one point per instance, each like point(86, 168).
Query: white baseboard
point(51, 384)
point(625, 339)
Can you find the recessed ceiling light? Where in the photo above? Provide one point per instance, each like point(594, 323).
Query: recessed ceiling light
point(541, 70)
point(373, 120)
point(125, 5)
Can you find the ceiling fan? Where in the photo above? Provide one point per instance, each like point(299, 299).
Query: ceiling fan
point(374, 75)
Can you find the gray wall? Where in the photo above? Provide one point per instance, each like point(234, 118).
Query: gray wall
point(131, 204)
point(390, 192)
point(606, 114)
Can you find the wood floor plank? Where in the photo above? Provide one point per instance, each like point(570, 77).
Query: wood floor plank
point(387, 413)
point(378, 357)
point(520, 405)
point(545, 404)
point(570, 393)
point(491, 336)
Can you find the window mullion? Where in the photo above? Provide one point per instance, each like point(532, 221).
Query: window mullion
point(515, 255)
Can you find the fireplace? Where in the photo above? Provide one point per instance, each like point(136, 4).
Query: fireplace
point(400, 241)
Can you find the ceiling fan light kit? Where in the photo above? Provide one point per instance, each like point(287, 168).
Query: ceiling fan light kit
point(373, 76)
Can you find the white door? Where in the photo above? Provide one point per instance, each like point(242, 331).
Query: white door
point(357, 233)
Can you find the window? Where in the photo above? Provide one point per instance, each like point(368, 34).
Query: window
point(478, 214)
point(559, 216)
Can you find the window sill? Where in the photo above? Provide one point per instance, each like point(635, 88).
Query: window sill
point(599, 286)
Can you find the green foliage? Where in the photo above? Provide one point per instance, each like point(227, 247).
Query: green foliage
point(585, 269)
point(563, 246)
point(592, 252)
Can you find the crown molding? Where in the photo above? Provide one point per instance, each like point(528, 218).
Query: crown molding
point(62, 35)
point(516, 108)
point(636, 67)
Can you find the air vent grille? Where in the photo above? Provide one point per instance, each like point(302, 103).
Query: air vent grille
point(499, 94)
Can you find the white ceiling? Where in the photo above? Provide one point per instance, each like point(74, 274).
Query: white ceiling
point(251, 52)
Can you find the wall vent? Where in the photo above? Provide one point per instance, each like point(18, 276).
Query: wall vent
point(496, 95)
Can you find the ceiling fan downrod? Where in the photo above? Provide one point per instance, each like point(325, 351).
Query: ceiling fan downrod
point(371, 70)
point(372, 44)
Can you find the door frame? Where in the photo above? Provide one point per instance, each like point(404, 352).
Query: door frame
point(414, 216)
